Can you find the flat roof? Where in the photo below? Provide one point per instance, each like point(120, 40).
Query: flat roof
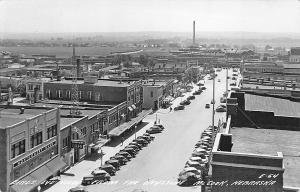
point(280, 107)
point(65, 121)
point(9, 117)
point(101, 82)
point(271, 141)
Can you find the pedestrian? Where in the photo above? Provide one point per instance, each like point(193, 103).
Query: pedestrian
point(122, 140)
point(170, 109)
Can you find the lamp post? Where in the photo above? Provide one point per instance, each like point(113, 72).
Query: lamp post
point(101, 155)
point(135, 132)
point(213, 111)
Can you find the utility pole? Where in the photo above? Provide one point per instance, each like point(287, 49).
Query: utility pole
point(213, 114)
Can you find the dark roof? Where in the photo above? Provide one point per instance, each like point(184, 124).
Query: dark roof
point(280, 107)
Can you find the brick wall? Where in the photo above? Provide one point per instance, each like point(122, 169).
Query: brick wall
point(3, 160)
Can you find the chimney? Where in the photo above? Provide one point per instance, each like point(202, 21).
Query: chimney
point(193, 32)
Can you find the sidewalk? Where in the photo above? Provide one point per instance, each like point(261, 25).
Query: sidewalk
point(85, 167)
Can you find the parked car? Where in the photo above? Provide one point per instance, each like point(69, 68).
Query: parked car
point(203, 88)
point(130, 150)
point(136, 144)
point(141, 141)
point(109, 169)
point(95, 177)
point(233, 78)
point(219, 80)
point(233, 84)
point(207, 106)
point(185, 102)
point(153, 130)
point(190, 170)
point(122, 160)
point(137, 148)
point(158, 125)
point(221, 109)
point(148, 135)
point(125, 154)
point(179, 107)
point(78, 189)
point(191, 97)
point(114, 163)
point(188, 179)
point(145, 137)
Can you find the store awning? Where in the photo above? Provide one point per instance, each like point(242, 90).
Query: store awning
point(123, 127)
point(130, 108)
point(133, 106)
point(39, 175)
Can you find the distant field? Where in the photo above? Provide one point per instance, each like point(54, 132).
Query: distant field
point(65, 52)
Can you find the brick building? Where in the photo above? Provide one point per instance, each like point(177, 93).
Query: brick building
point(29, 148)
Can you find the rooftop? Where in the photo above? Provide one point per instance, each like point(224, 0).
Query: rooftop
point(9, 117)
point(280, 107)
point(270, 141)
point(104, 83)
point(65, 121)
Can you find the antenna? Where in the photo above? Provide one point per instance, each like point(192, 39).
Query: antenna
point(74, 111)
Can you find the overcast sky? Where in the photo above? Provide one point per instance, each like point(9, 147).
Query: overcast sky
point(149, 15)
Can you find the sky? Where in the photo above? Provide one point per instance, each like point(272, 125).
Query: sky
point(59, 16)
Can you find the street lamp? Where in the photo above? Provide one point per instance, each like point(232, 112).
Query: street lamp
point(213, 101)
point(101, 155)
point(135, 132)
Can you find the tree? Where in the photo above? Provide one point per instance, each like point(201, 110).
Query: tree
point(191, 75)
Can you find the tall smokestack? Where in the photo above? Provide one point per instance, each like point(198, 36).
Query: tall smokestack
point(193, 32)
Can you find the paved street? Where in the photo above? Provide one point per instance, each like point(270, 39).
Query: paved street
point(156, 166)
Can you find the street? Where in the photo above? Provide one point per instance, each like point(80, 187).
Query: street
point(156, 167)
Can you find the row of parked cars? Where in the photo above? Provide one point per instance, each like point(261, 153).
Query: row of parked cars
point(196, 168)
point(182, 104)
point(103, 173)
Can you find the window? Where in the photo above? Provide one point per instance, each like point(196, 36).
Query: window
point(151, 94)
point(36, 139)
point(66, 141)
point(83, 131)
point(38, 87)
point(68, 94)
point(90, 95)
point(52, 131)
point(17, 148)
point(30, 87)
point(48, 93)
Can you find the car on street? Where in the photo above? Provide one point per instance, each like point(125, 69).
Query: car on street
point(235, 75)
point(190, 170)
point(191, 97)
point(78, 189)
point(203, 88)
point(125, 154)
point(130, 150)
point(148, 135)
point(219, 80)
point(207, 105)
point(122, 160)
point(233, 84)
point(185, 102)
point(158, 125)
point(179, 107)
point(188, 179)
point(136, 144)
point(109, 169)
point(141, 141)
point(154, 130)
point(145, 137)
point(114, 163)
point(221, 109)
point(97, 176)
point(233, 78)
